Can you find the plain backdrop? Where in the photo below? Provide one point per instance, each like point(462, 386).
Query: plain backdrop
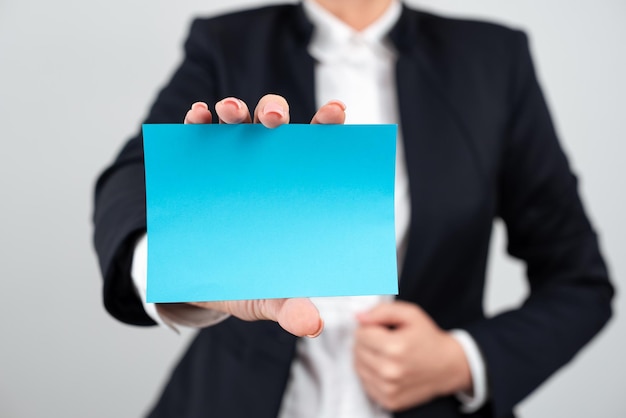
point(76, 79)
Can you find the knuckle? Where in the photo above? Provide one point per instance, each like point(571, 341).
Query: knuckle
point(396, 350)
point(392, 372)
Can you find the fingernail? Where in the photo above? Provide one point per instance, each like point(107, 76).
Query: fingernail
point(232, 102)
point(200, 104)
point(319, 330)
point(339, 103)
point(273, 107)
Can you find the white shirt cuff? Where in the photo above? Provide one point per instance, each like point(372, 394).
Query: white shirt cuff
point(171, 314)
point(475, 401)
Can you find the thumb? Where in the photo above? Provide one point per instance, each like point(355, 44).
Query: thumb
point(393, 314)
point(298, 316)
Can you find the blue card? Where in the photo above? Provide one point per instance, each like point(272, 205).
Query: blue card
point(246, 212)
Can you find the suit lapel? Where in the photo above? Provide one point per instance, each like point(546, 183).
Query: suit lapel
point(445, 178)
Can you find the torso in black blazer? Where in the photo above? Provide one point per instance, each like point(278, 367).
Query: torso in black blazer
point(479, 145)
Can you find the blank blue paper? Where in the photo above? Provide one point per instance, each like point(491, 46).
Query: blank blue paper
point(247, 212)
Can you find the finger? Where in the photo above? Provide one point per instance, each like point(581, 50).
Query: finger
point(366, 373)
point(333, 112)
point(272, 111)
point(297, 316)
point(394, 314)
point(375, 338)
point(379, 391)
point(383, 367)
point(232, 110)
point(300, 317)
point(368, 379)
point(199, 113)
point(368, 359)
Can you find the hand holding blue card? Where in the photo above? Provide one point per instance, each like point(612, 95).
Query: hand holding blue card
point(246, 212)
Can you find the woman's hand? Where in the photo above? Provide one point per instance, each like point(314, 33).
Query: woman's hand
point(298, 316)
point(404, 359)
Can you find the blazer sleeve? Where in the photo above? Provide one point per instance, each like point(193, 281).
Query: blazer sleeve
point(120, 208)
point(570, 293)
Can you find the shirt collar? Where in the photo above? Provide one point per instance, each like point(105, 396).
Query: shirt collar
point(331, 33)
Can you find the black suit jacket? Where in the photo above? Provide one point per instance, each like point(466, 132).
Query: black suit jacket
point(479, 145)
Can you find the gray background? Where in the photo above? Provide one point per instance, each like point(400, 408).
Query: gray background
point(76, 78)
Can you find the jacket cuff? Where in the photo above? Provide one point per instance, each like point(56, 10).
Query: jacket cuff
point(171, 314)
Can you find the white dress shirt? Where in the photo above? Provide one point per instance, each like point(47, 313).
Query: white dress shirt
point(359, 69)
